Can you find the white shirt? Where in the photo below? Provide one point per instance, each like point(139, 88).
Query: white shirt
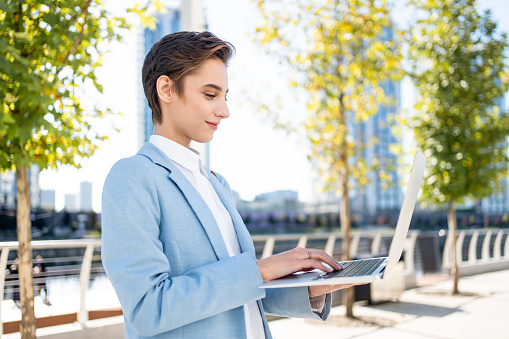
point(189, 162)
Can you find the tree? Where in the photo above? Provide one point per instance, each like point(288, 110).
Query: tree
point(343, 56)
point(49, 54)
point(459, 70)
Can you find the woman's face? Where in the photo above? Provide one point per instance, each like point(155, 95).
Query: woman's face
point(197, 113)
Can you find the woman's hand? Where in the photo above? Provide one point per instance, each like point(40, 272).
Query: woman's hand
point(315, 291)
point(298, 259)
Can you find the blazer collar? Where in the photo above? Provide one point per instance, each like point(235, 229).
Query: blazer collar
point(157, 156)
point(192, 196)
point(199, 206)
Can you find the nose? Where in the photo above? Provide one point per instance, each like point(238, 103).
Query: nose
point(223, 111)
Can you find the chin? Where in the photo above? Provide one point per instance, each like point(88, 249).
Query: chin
point(204, 140)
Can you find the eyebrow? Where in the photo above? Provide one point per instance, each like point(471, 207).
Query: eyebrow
point(219, 88)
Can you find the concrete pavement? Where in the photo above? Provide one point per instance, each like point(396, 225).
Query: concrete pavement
point(425, 312)
point(482, 311)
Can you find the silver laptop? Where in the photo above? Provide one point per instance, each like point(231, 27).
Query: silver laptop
point(365, 270)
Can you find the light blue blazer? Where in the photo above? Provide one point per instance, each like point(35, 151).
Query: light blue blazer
point(164, 255)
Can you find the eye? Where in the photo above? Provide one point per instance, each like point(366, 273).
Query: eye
point(210, 96)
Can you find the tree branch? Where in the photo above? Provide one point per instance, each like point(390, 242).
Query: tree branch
point(77, 41)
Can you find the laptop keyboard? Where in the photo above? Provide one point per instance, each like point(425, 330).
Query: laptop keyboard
point(354, 268)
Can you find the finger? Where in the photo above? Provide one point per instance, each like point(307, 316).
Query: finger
point(341, 287)
point(324, 257)
point(349, 285)
point(324, 289)
point(311, 264)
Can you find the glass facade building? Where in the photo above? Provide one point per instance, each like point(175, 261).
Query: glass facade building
point(85, 196)
point(497, 203)
point(169, 22)
point(8, 188)
point(383, 192)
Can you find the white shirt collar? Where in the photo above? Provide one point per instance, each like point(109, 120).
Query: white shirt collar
point(185, 157)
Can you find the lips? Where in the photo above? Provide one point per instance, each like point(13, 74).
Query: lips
point(213, 125)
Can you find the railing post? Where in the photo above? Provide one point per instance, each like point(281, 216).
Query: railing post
point(459, 247)
point(506, 249)
point(329, 247)
point(84, 283)
point(377, 241)
point(354, 246)
point(472, 248)
point(268, 249)
point(497, 250)
point(446, 259)
point(485, 254)
point(303, 241)
point(3, 267)
point(410, 252)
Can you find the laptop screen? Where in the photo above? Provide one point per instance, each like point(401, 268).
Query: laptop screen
point(405, 214)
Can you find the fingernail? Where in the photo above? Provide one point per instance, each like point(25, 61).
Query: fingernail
point(339, 266)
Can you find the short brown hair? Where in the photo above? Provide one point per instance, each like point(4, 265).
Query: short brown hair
point(178, 55)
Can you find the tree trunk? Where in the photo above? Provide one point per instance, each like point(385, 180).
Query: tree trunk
point(27, 325)
point(344, 212)
point(345, 224)
point(453, 226)
point(348, 296)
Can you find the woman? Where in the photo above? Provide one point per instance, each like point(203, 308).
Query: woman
point(174, 247)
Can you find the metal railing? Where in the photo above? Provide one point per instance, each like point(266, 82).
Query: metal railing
point(363, 244)
point(84, 270)
point(494, 247)
point(478, 250)
point(266, 245)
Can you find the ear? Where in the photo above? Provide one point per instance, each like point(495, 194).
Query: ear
point(164, 87)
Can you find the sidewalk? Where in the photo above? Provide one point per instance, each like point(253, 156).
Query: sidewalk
point(425, 312)
point(482, 311)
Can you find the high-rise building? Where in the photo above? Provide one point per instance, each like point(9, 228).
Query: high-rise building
point(382, 193)
point(48, 199)
point(33, 177)
point(282, 201)
point(86, 196)
point(70, 203)
point(8, 188)
point(498, 202)
point(169, 22)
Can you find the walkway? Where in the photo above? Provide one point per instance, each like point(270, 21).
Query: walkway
point(426, 312)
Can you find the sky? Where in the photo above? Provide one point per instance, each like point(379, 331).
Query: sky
point(246, 150)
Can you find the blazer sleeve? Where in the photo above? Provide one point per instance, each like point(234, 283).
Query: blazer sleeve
point(154, 301)
point(288, 302)
point(293, 302)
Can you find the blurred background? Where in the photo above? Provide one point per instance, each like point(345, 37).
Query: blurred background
point(268, 168)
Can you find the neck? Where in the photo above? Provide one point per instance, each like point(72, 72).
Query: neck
point(167, 133)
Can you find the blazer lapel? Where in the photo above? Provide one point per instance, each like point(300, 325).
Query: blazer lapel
point(192, 196)
point(245, 240)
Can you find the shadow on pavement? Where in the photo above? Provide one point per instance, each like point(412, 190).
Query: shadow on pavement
point(416, 309)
